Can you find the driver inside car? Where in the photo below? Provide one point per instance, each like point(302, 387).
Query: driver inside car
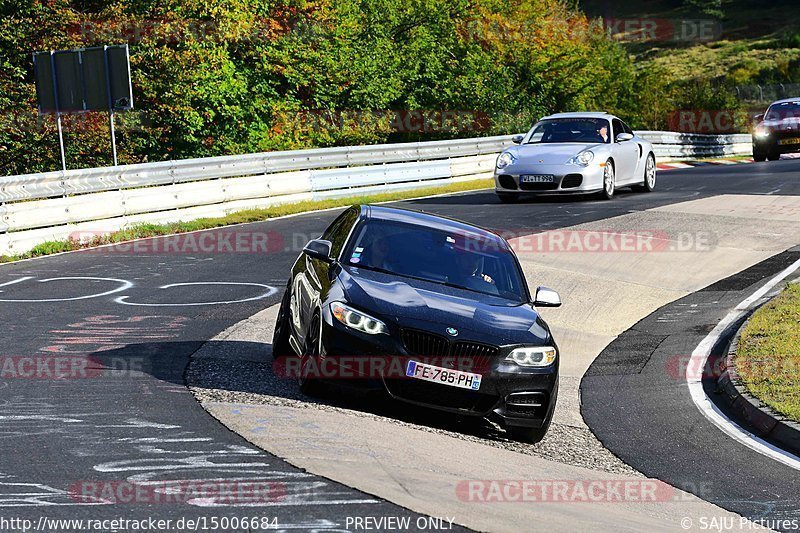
point(470, 275)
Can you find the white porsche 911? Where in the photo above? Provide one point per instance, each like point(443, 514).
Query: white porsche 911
point(569, 153)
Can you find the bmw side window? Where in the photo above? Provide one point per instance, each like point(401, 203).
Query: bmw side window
point(338, 231)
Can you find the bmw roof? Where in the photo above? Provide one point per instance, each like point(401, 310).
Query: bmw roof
point(419, 218)
point(796, 99)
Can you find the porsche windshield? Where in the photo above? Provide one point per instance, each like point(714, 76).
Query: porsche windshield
point(467, 261)
point(571, 130)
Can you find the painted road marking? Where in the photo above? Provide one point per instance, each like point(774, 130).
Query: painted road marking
point(124, 285)
point(704, 403)
point(269, 292)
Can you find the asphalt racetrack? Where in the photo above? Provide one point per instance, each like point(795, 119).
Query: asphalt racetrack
point(123, 322)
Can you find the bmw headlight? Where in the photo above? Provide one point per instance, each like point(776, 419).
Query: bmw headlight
point(357, 320)
point(533, 356)
point(762, 133)
point(583, 159)
point(504, 160)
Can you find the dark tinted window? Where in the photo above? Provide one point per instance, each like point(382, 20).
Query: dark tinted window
point(784, 110)
point(618, 127)
point(468, 261)
point(565, 130)
point(627, 129)
point(338, 231)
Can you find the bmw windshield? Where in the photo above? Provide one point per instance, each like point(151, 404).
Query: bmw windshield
point(783, 111)
point(570, 130)
point(466, 261)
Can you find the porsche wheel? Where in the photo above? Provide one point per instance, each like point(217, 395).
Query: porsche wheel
point(609, 181)
point(649, 181)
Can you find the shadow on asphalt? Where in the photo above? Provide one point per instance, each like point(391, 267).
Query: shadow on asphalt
point(248, 372)
point(244, 372)
point(489, 197)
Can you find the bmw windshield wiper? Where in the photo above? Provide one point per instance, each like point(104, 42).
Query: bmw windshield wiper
point(375, 269)
point(384, 271)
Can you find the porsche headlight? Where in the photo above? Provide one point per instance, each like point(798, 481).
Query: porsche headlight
point(504, 160)
point(583, 159)
point(533, 356)
point(761, 133)
point(357, 320)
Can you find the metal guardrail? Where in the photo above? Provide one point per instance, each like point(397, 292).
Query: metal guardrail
point(70, 182)
point(56, 205)
point(671, 145)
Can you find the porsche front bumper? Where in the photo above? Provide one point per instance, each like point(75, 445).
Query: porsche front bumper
point(567, 179)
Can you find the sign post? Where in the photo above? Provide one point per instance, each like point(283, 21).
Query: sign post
point(81, 81)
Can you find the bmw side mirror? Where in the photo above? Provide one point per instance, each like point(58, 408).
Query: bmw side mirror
point(546, 298)
point(319, 249)
point(517, 139)
point(622, 137)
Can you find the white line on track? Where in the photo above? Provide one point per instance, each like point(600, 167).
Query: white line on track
point(269, 292)
point(708, 408)
point(15, 281)
point(124, 285)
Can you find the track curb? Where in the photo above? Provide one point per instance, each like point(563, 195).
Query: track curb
point(765, 422)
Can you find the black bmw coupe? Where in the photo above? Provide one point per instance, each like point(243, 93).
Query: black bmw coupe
point(434, 311)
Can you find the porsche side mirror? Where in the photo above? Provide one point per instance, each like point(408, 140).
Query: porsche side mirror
point(517, 139)
point(546, 298)
point(622, 137)
point(319, 249)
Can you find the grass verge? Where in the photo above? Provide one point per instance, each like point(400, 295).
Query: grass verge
point(768, 356)
point(141, 231)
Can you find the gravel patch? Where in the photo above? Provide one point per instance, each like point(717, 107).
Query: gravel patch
point(252, 382)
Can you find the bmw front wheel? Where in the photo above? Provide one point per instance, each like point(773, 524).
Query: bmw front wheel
point(309, 361)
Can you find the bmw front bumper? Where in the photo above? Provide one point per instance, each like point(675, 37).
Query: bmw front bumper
point(516, 395)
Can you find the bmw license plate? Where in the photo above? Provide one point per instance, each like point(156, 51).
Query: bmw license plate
point(443, 376)
point(537, 178)
point(793, 140)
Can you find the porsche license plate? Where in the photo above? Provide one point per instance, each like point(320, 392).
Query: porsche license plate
point(443, 376)
point(793, 140)
point(537, 178)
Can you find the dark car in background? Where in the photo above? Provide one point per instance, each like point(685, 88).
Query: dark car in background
point(444, 302)
point(778, 132)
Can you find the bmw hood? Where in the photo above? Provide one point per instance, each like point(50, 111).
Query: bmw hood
point(419, 304)
point(784, 125)
point(550, 153)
